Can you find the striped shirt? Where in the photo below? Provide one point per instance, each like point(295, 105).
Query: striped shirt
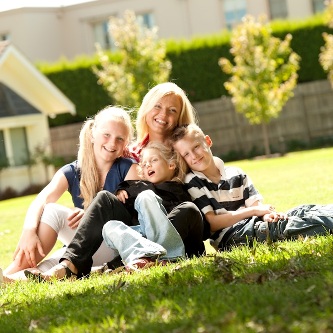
point(235, 190)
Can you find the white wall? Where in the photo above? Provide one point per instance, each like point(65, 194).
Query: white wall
point(50, 33)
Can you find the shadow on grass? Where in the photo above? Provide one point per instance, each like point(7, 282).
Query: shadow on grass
point(292, 290)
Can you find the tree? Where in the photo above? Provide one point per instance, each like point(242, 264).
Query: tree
point(264, 74)
point(143, 61)
point(326, 54)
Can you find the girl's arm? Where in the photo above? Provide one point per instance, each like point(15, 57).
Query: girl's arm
point(132, 173)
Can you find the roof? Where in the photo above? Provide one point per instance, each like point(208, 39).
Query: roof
point(24, 79)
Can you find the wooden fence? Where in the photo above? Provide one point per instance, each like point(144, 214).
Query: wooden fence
point(306, 117)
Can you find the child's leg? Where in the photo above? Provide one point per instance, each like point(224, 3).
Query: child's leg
point(156, 226)
point(130, 244)
point(187, 219)
point(309, 220)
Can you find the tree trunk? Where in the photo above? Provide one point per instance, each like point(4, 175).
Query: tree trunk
point(266, 139)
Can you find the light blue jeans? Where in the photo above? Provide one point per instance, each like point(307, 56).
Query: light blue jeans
point(155, 236)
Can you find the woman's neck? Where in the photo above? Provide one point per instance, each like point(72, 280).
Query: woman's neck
point(157, 137)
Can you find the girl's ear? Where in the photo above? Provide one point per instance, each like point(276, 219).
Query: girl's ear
point(172, 165)
point(208, 140)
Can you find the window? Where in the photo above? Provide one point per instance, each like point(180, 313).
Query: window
point(278, 9)
point(3, 155)
point(4, 36)
point(101, 30)
point(234, 11)
point(146, 20)
point(318, 6)
point(19, 146)
point(102, 36)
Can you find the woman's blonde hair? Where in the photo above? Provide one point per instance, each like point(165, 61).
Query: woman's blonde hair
point(187, 114)
point(90, 177)
point(170, 156)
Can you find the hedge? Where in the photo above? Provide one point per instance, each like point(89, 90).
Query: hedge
point(194, 67)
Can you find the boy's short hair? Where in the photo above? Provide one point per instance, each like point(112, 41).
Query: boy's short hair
point(181, 131)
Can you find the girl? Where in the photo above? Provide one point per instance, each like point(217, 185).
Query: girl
point(100, 165)
point(156, 200)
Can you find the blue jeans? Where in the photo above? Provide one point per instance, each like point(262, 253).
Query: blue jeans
point(303, 220)
point(155, 236)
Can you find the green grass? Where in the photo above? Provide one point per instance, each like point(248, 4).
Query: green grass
point(283, 287)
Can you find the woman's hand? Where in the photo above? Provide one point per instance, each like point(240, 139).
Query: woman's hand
point(75, 218)
point(27, 246)
point(122, 196)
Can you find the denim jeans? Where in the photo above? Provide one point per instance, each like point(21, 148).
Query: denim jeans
point(303, 220)
point(154, 237)
point(88, 236)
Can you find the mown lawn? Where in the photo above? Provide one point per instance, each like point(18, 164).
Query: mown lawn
point(281, 287)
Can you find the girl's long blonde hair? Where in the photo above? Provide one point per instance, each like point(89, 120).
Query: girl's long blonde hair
point(187, 114)
point(90, 176)
point(170, 156)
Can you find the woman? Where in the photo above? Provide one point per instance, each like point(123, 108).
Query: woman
point(164, 107)
point(100, 165)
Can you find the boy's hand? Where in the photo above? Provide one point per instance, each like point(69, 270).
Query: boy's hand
point(263, 209)
point(274, 217)
point(122, 196)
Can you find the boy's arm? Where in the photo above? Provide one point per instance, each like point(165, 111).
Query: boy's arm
point(229, 218)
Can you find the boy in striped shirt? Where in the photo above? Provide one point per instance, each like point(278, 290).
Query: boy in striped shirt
point(230, 203)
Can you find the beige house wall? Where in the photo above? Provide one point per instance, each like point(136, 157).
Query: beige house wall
point(38, 135)
point(305, 117)
point(47, 34)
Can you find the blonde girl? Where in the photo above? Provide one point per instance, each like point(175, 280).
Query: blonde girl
point(100, 165)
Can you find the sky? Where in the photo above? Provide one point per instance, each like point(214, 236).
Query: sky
point(11, 4)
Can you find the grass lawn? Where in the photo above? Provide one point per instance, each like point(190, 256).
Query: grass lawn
point(281, 287)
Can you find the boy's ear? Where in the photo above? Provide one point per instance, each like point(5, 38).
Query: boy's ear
point(208, 140)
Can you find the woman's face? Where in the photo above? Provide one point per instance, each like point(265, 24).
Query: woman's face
point(110, 139)
point(155, 168)
point(163, 117)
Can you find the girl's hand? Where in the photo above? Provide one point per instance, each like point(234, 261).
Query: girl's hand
point(28, 244)
point(75, 218)
point(122, 196)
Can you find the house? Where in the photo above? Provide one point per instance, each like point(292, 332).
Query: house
point(27, 99)
point(54, 29)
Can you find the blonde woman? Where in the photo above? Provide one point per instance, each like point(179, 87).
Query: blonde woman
point(164, 107)
point(100, 165)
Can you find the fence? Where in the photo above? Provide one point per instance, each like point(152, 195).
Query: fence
point(305, 117)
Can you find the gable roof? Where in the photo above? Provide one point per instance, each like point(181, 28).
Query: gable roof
point(22, 77)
